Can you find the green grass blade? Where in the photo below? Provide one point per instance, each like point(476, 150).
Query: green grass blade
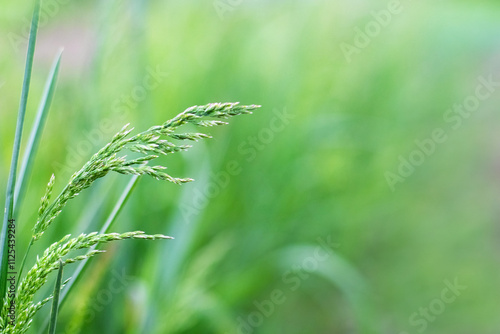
point(32, 145)
point(9, 198)
point(55, 300)
point(105, 228)
point(36, 133)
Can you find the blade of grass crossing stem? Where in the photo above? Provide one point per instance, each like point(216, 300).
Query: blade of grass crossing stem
point(9, 198)
point(55, 300)
point(105, 229)
point(36, 133)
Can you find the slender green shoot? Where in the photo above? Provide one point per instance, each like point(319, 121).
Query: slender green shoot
point(36, 133)
point(55, 300)
point(9, 198)
point(34, 139)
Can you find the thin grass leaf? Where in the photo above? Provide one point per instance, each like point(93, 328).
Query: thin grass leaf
point(32, 146)
point(55, 300)
point(36, 133)
point(9, 199)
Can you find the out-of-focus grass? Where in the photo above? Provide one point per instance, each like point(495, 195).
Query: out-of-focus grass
point(320, 176)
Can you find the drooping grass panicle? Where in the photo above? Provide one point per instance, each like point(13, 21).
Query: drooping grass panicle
point(36, 277)
point(148, 143)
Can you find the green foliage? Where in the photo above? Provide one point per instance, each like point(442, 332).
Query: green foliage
point(320, 174)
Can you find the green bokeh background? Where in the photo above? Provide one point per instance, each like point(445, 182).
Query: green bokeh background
point(317, 173)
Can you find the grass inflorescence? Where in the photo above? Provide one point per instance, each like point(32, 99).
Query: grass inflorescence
point(150, 144)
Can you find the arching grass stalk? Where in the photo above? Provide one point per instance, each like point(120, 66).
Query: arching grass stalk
point(158, 140)
point(149, 143)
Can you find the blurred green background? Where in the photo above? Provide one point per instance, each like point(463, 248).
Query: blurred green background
point(298, 221)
